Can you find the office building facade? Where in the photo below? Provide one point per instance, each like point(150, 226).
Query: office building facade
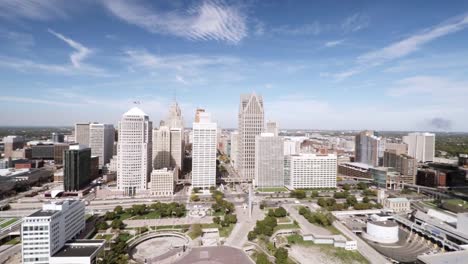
point(163, 182)
point(310, 171)
point(12, 143)
point(369, 148)
point(269, 161)
point(82, 134)
point(204, 152)
point(234, 152)
point(134, 152)
point(161, 147)
point(251, 124)
point(272, 127)
point(77, 168)
point(46, 231)
point(101, 142)
point(421, 146)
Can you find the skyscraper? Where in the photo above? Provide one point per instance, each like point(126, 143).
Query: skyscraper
point(82, 133)
point(176, 125)
point(269, 161)
point(421, 146)
point(177, 147)
point(369, 148)
point(204, 152)
point(272, 127)
point(101, 141)
point(251, 124)
point(134, 152)
point(77, 168)
point(233, 154)
point(161, 147)
point(197, 114)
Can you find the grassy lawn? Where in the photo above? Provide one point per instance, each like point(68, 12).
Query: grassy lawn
point(9, 222)
point(284, 220)
point(13, 241)
point(106, 237)
point(272, 189)
point(333, 230)
point(125, 216)
point(455, 205)
point(345, 256)
point(150, 215)
point(285, 226)
point(226, 231)
point(212, 225)
point(171, 227)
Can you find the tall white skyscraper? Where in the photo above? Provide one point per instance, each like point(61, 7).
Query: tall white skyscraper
point(82, 134)
point(269, 161)
point(46, 231)
point(174, 118)
point(161, 147)
point(421, 146)
point(272, 127)
point(310, 171)
point(101, 142)
point(251, 124)
point(233, 154)
point(134, 152)
point(204, 152)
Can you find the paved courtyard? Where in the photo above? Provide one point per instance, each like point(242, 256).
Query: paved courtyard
point(215, 255)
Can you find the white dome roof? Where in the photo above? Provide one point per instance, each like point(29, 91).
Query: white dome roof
point(135, 111)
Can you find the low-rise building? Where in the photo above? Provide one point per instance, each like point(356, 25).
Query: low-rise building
point(163, 181)
point(355, 170)
point(397, 204)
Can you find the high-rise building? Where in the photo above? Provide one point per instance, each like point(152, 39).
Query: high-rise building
point(272, 127)
point(59, 148)
point(58, 138)
point(369, 148)
point(403, 163)
point(174, 119)
point(12, 143)
point(421, 146)
point(163, 181)
point(177, 147)
point(251, 124)
point(134, 152)
point(233, 154)
point(291, 147)
point(269, 161)
point(204, 152)
point(197, 114)
point(82, 133)
point(77, 168)
point(310, 171)
point(101, 142)
point(400, 148)
point(46, 231)
point(161, 147)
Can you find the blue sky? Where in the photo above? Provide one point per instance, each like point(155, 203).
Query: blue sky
point(394, 65)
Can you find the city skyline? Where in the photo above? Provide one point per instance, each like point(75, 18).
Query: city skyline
point(329, 65)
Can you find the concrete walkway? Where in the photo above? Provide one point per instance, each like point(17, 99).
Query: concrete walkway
point(168, 221)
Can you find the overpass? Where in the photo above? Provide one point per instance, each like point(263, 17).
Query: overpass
point(12, 228)
point(134, 241)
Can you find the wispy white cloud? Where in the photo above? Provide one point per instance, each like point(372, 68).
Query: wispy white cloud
point(81, 52)
point(405, 47)
point(33, 9)
point(207, 20)
point(333, 43)
point(355, 22)
point(413, 43)
point(314, 28)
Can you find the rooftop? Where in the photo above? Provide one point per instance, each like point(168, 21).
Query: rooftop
point(398, 200)
point(77, 251)
point(135, 111)
point(456, 257)
point(43, 213)
point(385, 223)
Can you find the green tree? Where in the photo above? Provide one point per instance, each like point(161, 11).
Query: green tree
point(196, 230)
point(271, 212)
point(117, 224)
point(299, 194)
point(102, 225)
point(251, 235)
point(194, 198)
point(314, 194)
point(118, 210)
point(281, 256)
point(109, 216)
point(230, 218)
point(365, 199)
point(262, 258)
point(346, 187)
point(351, 200)
point(216, 220)
point(362, 185)
point(280, 212)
